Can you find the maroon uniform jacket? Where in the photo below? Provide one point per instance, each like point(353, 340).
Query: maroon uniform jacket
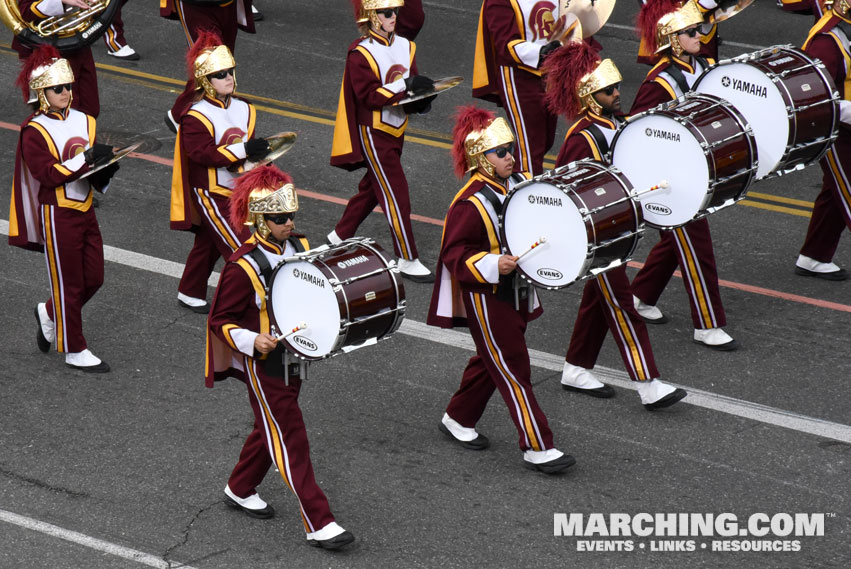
point(364, 93)
point(240, 303)
point(466, 262)
point(41, 179)
point(245, 20)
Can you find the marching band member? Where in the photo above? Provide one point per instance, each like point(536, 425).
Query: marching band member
point(116, 43)
point(580, 85)
point(810, 7)
point(671, 29)
point(380, 70)
point(475, 289)
point(51, 207)
point(240, 344)
point(513, 40)
point(709, 40)
point(216, 136)
point(828, 41)
point(224, 17)
point(81, 60)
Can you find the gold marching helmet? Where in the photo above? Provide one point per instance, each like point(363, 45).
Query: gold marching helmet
point(605, 75)
point(207, 56)
point(477, 131)
point(41, 70)
point(662, 20)
point(366, 11)
point(839, 7)
point(573, 74)
point(262, 191)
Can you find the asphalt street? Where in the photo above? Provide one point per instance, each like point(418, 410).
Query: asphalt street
point(127, 469)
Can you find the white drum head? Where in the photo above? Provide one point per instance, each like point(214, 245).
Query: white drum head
point(653, 148)
point(302, 293)
point(759, 100)
point(542, 210)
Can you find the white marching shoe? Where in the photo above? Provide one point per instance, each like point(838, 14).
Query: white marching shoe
point(581, 380)
point(648, 312)
point(415, 271)
point(550, 461)
point(46, 332)
point(126, 52)
point(332, 536)
point(86, 361)
point(466, 437)
point(333, 239)
point(656, 394)
point(253, 506)
point(809, 267)
point(715, 338)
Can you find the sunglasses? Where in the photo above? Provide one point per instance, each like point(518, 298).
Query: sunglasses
point(279, 218)
point(59, 88)
point(691, 32)
point(610, 90)
point(388, 12)
point(222, 74)
point(502, 150)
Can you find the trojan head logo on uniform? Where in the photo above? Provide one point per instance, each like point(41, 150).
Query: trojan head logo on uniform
point(396, 71)
point(74, 146)
point(541, 20)
point(233, 135)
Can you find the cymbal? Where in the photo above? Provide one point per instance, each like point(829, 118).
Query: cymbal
point(727, 9)
point(439, 86)
point(116, 156)
point(279, 144)
point(592, 15)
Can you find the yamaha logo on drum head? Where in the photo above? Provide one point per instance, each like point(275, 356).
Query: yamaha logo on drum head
point(725, 81)
point(312, 279)
point(305, 343)
point(658, 209)
point(663, 134)
point(550, 274)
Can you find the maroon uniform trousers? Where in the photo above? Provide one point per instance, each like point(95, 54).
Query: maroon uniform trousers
point(215, 237)
point(383, 183)
point(114, 36)
point(73, 248)
point(832, 208)
point(501, 362)
point(689, 247)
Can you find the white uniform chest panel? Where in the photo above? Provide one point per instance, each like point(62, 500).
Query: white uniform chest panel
point(393, 63)
point(230, 126)
point(538, 18)
point(70, 137)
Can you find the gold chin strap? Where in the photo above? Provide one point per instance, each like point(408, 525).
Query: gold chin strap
point(671, 24)
point(204, 83)
point(44, 106)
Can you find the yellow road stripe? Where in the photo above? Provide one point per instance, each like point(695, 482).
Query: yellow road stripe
point(781, 209)
point(780, 199)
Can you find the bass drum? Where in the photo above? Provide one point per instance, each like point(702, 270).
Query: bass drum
point(789, 100)
point(349, 295)
point(700, 144)
point(585, 212)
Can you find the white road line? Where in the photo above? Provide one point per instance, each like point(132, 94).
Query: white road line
point(90, 542)
point(551, 362)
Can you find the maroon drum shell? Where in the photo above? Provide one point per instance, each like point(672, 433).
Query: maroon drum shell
point(614, 219)
point(809, 123)
point(729, 149)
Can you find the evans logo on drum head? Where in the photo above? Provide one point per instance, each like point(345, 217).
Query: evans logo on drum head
point(658, 209)
point(550, 274)
point(305, 343)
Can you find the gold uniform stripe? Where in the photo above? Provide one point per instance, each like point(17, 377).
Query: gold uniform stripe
point(516, 114)
point(694, 277)
point(592, 144)
point(221, 226)
point(54, 277)
point(489, 227)
point(471, 266)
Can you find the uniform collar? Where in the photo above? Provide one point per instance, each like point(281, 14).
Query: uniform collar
point(495, 184)
point(221, 104)
point(687, 66)
point(610, 123)
point(375, 36)
point(269, 245)
point(58, 115)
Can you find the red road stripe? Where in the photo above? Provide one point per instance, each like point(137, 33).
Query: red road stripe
point(439, 222)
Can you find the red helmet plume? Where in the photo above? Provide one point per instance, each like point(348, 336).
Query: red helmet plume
point(43, 55)
point(564, 68)
point(268, 177)
point(357, 5)
point(207, 39)
point(467, 119)
point(650, 14)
